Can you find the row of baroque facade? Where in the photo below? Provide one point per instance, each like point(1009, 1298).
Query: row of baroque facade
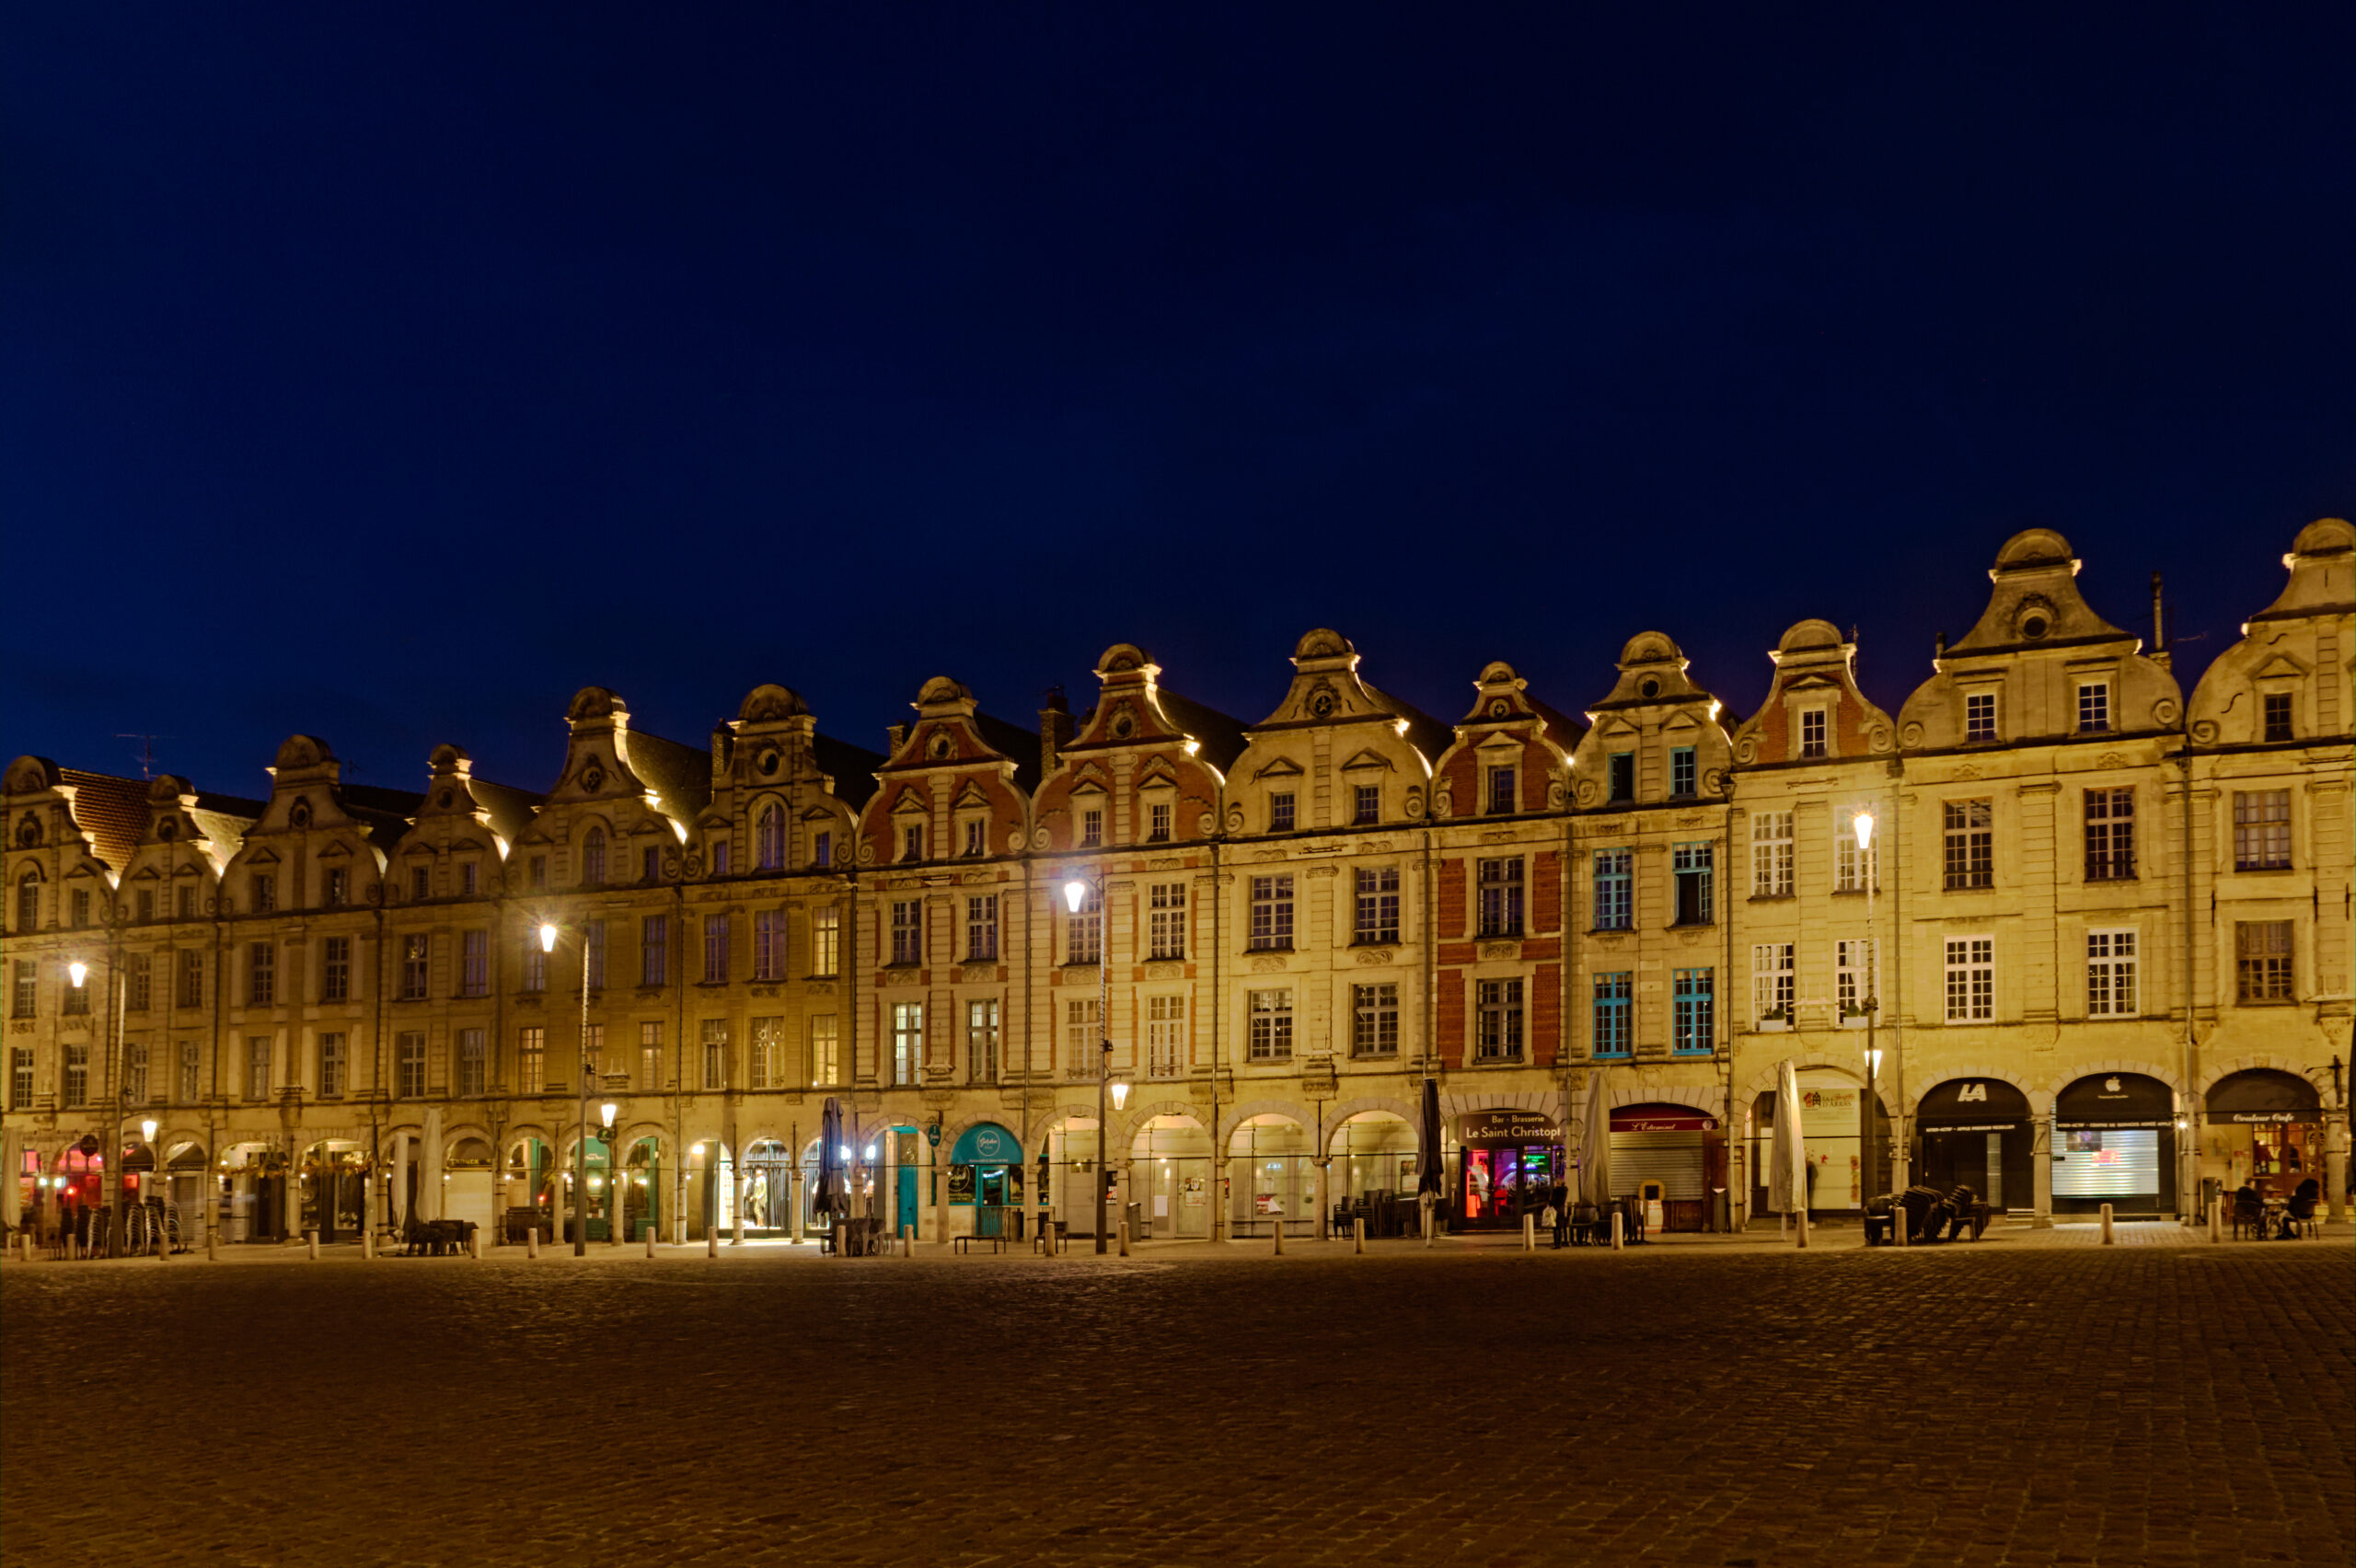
point(334, 999)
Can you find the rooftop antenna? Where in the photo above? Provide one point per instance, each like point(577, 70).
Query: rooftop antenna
point(147, 750)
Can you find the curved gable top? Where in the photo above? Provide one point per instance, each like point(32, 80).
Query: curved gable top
point(2035, 600)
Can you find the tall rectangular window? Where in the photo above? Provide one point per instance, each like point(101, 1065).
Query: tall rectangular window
point(1693, 1021)
point(1500, 1036)
point(715, 1053)
point(474, 964)
point(981, 1040)
point(336, 887)
point(826, 942)
point(409, 1066)
point(976, 835)
point(81, 904)
point(981, 927)
point(469, 875)
point(184, 900)
point(593, 1055)
point(1971, 979)
point(907, 930)
point(912, 841)
point(1167, 929)
point(2276, 705)
point(1970, 833)
point(1613, 1034)
point(24, 990)
point(1367, 805)
point(20, 1077)
point(414, 952)
point(593, 955)
point(1271, 928)
point(1812, 732)
point(191, 977)
point(531, 1059)
point(720, 858)
point(1377, 921)
point(1615, 900)
point(650, 1077)
point(1853, 980)
point(2261, 830)
point(2093, 708)
point(653, 949)
point(1621, 769)
point(1503, 799)
point(135, 1072)
point(1770, 854)
point(335, 969)
point(1771, 981)
point(138, 981)
point(76, 999)
point(1682, 777)
point(769, 944)
point(1269, 1034)
point(258, 1067)
point(332, 1067)
point(1157, 823)
point(1083, 1033)
point(261, 975)
point(2110, 835)
point(1091, 827)
point(908, 1042)
point(761, 1054)
point(649, 864)
point(191, 1072)
point(1165, 1036)
point(2262, 960)
point(1853, 867)
point(145, 904)
point(822, 849)
point(825, 1050)
point(2111, 973)
point(1693, 868)
point(74, 1085)
point(1374, 1020)
point(1980, 716)
point(535, 966)
point(474, 1063)
point(262, 885)
point(27, 903)
point(715, 950)
point(1501, 885)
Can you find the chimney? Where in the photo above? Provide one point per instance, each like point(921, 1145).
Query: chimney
point(2159, 628)
point(1055, 728)
point(897, 735)
point(724, 750)
point(1939, 648)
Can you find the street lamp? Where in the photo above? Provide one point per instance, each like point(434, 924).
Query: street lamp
point(1867, 868)
point(581, 1145)
point(78, 972)
point(1076, 895)
point(154, 1166)
point(613, 1174)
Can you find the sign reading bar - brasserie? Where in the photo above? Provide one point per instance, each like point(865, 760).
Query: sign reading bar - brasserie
point(1508, 1127)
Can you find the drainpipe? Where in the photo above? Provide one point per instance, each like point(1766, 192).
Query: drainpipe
point(678, 1068)
point(2188, 1157)
point(1718, 1026)
point(1219, 1009)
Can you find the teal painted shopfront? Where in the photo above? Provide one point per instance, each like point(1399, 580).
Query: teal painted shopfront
point(985, 1175)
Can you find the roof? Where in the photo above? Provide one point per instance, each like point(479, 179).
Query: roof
point(680, 775)
point(1020, 745)
point(851, 767)
point(1429, 735)
point(386, 814)
point(1222, 736)
point(510, 809)
point(112, 811)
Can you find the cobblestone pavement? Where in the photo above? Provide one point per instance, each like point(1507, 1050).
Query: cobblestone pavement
point(2030, 1401)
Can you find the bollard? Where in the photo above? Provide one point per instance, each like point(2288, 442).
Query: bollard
point(712, 1243)
point(1357, 1237)
point(649, 1240)
point(532, 1242)
point(2105, 1225)
point(311, 1244)
point(1280, 1239)
point(212, 1248)
point(1897, 1223)
point(1616, 1218)
point(1803, 1227)
point(367, 1246)
point(1528, 1231)
point(1124, 1238)
point(907, 1240)
point(1428, 1224)
point(2216, 1219)
point(474, 1243)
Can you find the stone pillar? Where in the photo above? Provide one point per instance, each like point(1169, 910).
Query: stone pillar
point(2335, 1164)
point(397, 1200)
point(2040, 1160)
point(735, 1186)
point(1325, 1200)
point(291, 1190)
point(13, 1160)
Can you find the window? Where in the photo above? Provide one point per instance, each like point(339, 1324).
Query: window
point(191, 1076)
point(1853, 869)
point(825, 1058)
point(1502, 799)
point(331, 1067)
point(28, 902)
point(1971, 827)
point(421, 883)
point(1091, 827)
point(1378, 906)
point(2277, 706)
point(649, 1056)
point(135, 1072)
point(592, 1054)
point(1623, 771)
point(139, 976)
point(1369, 805)
point(336, 887)
point(1692, 1023)
point(2094, 707)
point(908, 1042)
point(1500, 1036)
point(1853, 980)
point(1680, 770)
point(974, 832)
point(1500, 884)
point(768, 838)
point(761, 1054)
point(258, 1064)
point(907, 930)
point(76, 999)
point(2111, 973)
point(1971, 979)
point(531, 1059)
point(24, 989)
point(769, 944)
point(1614, 890)
point(413, 963)
point(466, 875)
point(715, 950)
point(81, 907)
point(826, 942)
point(649, 864)
point(1812, 732)
point(535, 966)
point(145, 904)
point(261, 975)
point(1374, 1020)
point(1770, 854)
point(981, 927)
point(715, 1053)
point(191, 979)
point(592, 857)
point(538, 869)
point(335, 969)
point(185, 901)
point(981, 1040)
point(912, 841)
point(1271, 914)
point(474, 1063)
point(262, 886)
point(1771, 981)
point(1158, 817)
point(73, 1088)
point(1083, 1033)
point(653, 949)
point(2110, 835)
point(1980, 716)
point(1693, 866)
point(2261, 830)
point(409, 1066)
point(1280, 818)
point(1167, 926)
point(593, 955)
point(822, 849)
point(2262, 960)
point(719, 861)
point(474, 964)
point(1270, 1035)
point(1612, 994)
point(20, 1077)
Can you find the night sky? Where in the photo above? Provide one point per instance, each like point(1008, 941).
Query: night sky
point(389, 377)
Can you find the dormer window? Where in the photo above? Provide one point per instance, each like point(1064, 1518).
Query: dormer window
point(1621, 770)
point(822, 849)
point(768, 838)
point(468, 874)
point(1157, 823)
point(912, 842)
point(1980, 716)
point(1812, 732)
point(592, 857)
point(421, 883)
point(2093, 708)
point(1369, 805)
point(1091, 827)
point(651, 864)
point(1680, 770)
point(337, 891)
point(1502, 802)
point(263, 889)
point(2277, 715)
point(721, 861)
point(539, 868)
point(1281, 817)
point(975, 830)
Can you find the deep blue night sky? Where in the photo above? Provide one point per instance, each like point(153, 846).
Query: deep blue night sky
point(391, 375)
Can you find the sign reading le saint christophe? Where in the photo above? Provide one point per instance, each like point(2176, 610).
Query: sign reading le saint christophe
point(1517, 1126)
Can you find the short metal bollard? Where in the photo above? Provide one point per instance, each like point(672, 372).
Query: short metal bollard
point(649, 1240)
point(712, 1243)
point(1280, 1239)
point(311, 1244)
point(1428, 1226)
point(474, 1243)
point(212, 1248)
point(1357, 1236)
point(367, 1246)
point(1616, 1218)
point(1528, 1231)
point(2105, 1225)
point(1124, 1238)
point(907, 1240)
point(1897, 1223)
point(2216, 1219)
point(532, 1242)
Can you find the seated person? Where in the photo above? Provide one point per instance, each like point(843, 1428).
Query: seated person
point(2308, 1191)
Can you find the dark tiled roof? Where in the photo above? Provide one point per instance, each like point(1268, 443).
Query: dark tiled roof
point(112, 811)
point(851, 767)
point(680, 774)
point(510, 809)
point(1222, 736)
point(1568, 729)
point(386, 814)
point(1020, 744)
point(1430, 736)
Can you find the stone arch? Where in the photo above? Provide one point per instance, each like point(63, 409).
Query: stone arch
point(1236, 1116)
point(1127, 1127)
point(2258, 1062)
point(1342, 1110)
point(2070, 1075)
point(2041, 1101)
point(1454, 1103)
point(1035, 1137)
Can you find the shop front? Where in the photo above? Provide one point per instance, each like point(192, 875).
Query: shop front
point(334, 1182)
point(986, 1177)
point(1832, 1106)
point(1271, 1176)
point(1977, 1132)
point(1507, 1162)
point(2265, 1127)
point(2114, 1142)
point(253, 1192)
point(1672, 1160)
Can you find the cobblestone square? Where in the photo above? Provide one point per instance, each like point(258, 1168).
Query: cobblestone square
point(2022, 1401)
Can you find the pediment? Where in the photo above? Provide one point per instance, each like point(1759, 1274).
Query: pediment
point(1814, 681)
point(2282, 666)
point(1368, 760)
point(337, 849)
point(1681, 723)
point(263, 857)
point(147, 873)
point(971, 798)
point(817, 813)
point(1279, 768)
point(1500, 741)
point(912, 802)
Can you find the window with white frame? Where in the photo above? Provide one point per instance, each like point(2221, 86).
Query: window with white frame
point(1971, 979)
point(1500, 884)
point(192, 1071)
point(981, 1039)
point(335, 970)
point(2261, 830)
point(258, 1065)
point(769, 944)
point(1853, 980)
point(1367, 805)
point(1091, 827)
point(825, 1050)
point(1772, 980)
point(1503, 801)
point(1158, 817)
point(1083, 1033)
point(977, 832)
point(1980, 716)
point(2111, 973)
point(1970, 831)
point(74, 1086)
point(1084, 932)
point(2110, 835)
point(20, 1077)
point(261, 977)
point(1770, 854)
point(409, 1065)
point(650, 1077)
point(715, 1053)
point(768, 838)
point(531, 1058)
point(135, 1072)
point(1854, 867)
point(912, 841)
point(826, 942)
point(1812, 732)
point(1165, 1036)
point(592, 857)
point(1271, 928)
point(2093, 708)
point(1374, 1020)
point(981, 927)
point(1377, 923)
point(763, 1044)
point(24, 992)
point(534, 968)
point(474, 1062)
point(593, 1054)
point(907, 930)
point(1268, 1015)
point(1499, 1037)
point(2275, 715)
point(2262, 962)
point(653, 949)
point(332, 1067)
point(1280, 811)
point(191, 980)
point(715, 950)
point(1167, 912)
point(474, 964)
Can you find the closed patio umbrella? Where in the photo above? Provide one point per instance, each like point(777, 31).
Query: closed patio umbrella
point(828, 1196)
point(1787, 1158)
point(1595, 1144)
point(429, 1178)
point(1429, 1178)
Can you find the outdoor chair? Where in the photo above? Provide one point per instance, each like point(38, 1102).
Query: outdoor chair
point(2300, 1216)
point(2249, 1216)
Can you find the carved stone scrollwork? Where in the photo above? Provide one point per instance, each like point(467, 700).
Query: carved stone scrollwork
point(1443, 804)
point(1039, 840)
point(1713, 781)
point(2165, 711)
point(1267, 963)
point(1372, 954)
point(1746, 750)
point(1500, 950)
point(1877, 739)
point(2205, 730)
point(866, 853)
point(1164, 971)
point(1206, 824)
point(1588, 791)
point(1911, 735)
point(1235, 819)
point(907, 976)
point(695, 865)
point(1414, 805)
point(1554, 796)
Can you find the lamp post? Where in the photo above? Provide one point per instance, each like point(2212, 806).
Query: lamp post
point(1075, 894)
point(79, 972)
point(1868, 868)
point(606, 1112)
point(155, 1164)
point(581, 1145)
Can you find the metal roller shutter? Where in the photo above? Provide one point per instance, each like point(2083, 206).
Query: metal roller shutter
point(1674, 1159)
